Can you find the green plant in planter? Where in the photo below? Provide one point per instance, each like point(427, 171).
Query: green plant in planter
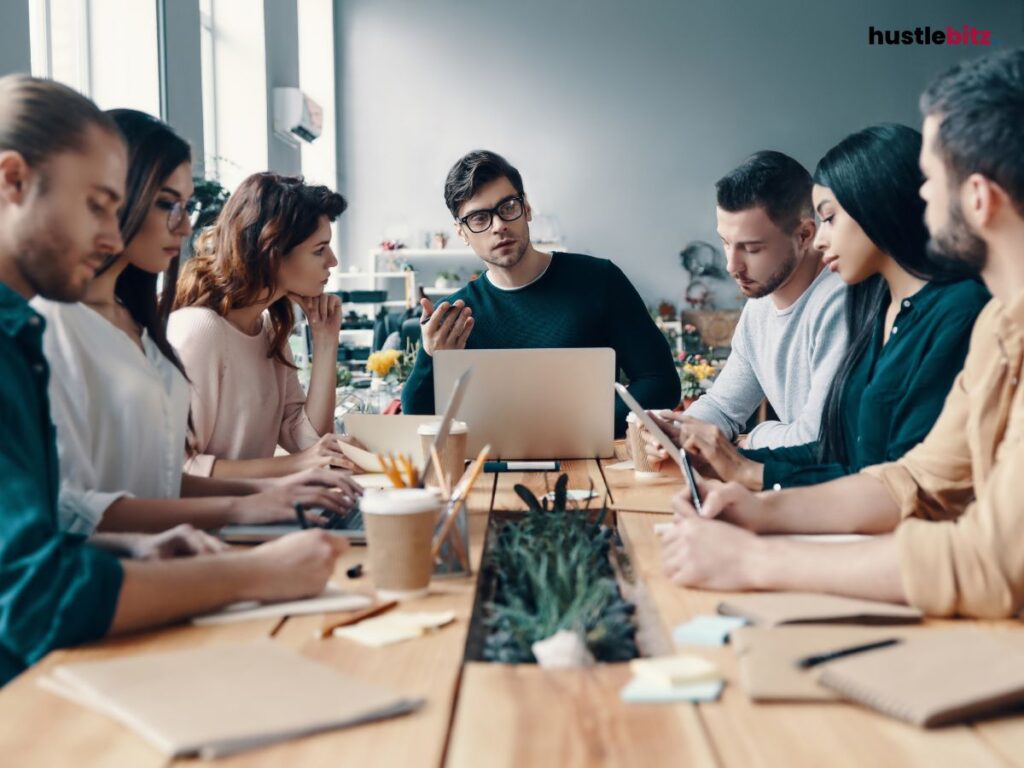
point(553, 572)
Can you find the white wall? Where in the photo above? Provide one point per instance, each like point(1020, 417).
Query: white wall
point(15, 51)
point(621, 115)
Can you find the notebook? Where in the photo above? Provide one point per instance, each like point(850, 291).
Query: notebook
point(332, 599)
point(937, 678)
point(217, 701)
point(767, 657)
point(774, 608)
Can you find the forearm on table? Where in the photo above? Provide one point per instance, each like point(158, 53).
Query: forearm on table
point(320, 396)
point(865, 569)
point(197, 485)
point(854, 504)
point(130, 514)
point(255, 469)
point(164, 591)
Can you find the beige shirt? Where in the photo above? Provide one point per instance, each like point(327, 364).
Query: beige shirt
point(244, 403)
point(961, 491)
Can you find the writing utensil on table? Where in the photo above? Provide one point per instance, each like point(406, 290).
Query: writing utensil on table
point(300, 515)
point(332, 622)
point(521, 466)
point(455, 504)
point(820, 658)
point(446, 490)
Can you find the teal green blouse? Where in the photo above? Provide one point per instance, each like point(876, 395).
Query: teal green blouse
point(55, 590)
point(896, 392)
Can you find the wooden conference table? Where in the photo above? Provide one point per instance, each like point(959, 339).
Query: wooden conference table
point(496, 715)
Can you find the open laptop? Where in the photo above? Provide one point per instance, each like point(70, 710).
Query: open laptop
point(535, 403)
point(350, 523)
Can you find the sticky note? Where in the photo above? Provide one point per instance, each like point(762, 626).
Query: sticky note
point(394, 627)
point(639, 691)
point(707, 630)
point(672, 671)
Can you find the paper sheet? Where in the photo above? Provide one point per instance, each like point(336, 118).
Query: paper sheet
point(366, 461)
point(332, 599)
point(707, 630)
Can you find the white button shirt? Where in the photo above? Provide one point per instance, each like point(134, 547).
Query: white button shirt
point(121, 414)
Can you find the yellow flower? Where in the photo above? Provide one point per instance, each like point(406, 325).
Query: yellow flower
point(381, 363)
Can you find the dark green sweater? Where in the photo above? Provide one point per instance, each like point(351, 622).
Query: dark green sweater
point(896, 392)
point(580, 301)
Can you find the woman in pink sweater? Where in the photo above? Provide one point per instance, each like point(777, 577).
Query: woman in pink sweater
point(233, 314)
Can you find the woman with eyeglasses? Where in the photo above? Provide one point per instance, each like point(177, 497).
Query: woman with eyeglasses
point(120, 394)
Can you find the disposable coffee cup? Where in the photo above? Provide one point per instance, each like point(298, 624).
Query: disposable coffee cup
point(453, 455)
point(642, 467)
point(399, 535)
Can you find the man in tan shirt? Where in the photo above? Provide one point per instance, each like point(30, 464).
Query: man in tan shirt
point(950, 513)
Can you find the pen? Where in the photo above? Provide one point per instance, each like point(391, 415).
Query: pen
point(690, 481)
point(820, 658)
point(301, 516)
point(521, 466)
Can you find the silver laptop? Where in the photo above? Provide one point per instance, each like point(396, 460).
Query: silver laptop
point(534, 403)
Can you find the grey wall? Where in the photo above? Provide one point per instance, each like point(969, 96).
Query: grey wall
point(282, 33)
point(15, 49)
point(621, 115)
point(183, 74)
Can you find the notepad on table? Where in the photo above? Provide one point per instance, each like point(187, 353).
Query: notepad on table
point(935, 678)
point(775, 608)
point(332, 599)
point(707, 630)
point(215, 701)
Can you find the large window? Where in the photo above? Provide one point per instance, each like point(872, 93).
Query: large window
point(106, 49)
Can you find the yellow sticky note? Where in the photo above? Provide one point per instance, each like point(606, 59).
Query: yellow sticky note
point(673, 671)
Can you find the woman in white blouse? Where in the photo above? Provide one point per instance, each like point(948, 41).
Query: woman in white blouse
point(119, 394)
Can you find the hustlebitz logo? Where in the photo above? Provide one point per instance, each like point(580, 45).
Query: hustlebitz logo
point(965, 35)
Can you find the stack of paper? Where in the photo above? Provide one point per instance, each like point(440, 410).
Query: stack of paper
point(395, 627)
point(672, 679)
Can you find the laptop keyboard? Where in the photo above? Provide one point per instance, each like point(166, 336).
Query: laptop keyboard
point(352, 520)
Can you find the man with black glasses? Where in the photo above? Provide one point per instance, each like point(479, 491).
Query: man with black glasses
point(527, 298)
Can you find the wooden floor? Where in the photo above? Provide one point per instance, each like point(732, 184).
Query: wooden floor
point(495, 715)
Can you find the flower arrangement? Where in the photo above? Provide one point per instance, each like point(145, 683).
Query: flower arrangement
point(694, 370)
point(393, 364)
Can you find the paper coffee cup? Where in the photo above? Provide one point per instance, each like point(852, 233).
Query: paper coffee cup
point(453, 456)
point(638, 449)
point(400, 526)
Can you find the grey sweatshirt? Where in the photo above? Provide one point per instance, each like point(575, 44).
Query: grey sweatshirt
point(789, 357)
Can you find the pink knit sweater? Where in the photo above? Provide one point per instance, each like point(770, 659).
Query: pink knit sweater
point(244, 403)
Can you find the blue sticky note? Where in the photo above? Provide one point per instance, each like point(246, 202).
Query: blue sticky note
point(707, 630)
point(639, 691)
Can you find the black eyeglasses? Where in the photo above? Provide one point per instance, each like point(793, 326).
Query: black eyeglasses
point(177, 212)
point(509, 209)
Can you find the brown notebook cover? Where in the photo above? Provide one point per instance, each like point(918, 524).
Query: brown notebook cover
point(225, 699)
point(774, 608)
point(767, 657)
point(936, 678)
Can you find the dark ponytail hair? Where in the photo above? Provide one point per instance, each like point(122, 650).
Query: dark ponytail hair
point(154, 152)
point(875, 177)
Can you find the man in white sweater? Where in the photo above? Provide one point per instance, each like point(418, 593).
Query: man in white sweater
point(792, 334)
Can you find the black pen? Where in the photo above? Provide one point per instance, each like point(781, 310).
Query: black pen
point(301, 516)
point(820, 658)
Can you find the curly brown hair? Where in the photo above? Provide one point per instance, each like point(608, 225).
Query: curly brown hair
point(238, 258)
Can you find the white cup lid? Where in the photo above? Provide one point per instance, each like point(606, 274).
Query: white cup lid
point(431, 428)
point(400, 501)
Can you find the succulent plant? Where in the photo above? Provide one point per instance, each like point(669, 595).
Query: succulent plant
point(554, 572)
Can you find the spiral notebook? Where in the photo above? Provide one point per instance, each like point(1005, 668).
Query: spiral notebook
point(935, 678)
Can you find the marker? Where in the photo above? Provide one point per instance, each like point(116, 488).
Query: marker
point(821, 658)
point(521, 466)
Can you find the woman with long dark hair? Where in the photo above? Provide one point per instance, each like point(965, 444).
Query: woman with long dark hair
point(269, 248)
point(120, 394)
point(909, 319)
